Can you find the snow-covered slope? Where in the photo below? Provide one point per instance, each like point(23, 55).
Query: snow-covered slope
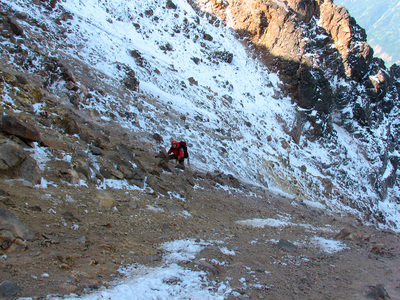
point(198, 82)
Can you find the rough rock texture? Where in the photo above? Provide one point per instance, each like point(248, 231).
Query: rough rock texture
point(13, 126)
point(349, 39)
point(282, 32)
point(15, 162)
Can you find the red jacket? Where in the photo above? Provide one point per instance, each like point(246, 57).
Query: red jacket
point(178, 152)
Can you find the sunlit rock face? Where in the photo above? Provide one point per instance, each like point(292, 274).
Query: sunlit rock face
point(296, 37)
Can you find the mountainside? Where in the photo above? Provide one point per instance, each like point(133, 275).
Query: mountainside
point(346, 100)
point(326, 121)
point(381, 21)
point(291, 123)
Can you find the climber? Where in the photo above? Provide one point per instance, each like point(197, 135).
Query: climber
point(177, 151)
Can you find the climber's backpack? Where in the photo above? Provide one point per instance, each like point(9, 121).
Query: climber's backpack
point(182, 144)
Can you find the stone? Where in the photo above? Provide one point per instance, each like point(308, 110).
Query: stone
point(212, 251)
point(95, 150)
point(16, 29)
point(75, 99)
point(328, 185)
point(71, 85)
point(21, 79)
point(105, 172)
point(70, 126)
point(55, 145)
point(165, 166)
point(158, 138)
point(125, 151)
point(117, 174)
point(378, 292)
point(171, 5)
point(84, 90)
point(30, 171)
point(24, 131)
point(8, 289)
point(223, 56)
point(286, 245)
point(69, 288)
point(104, 199)
point(133, 205)
point(11, 155)
point(130, 81)
point(9, 222)
point(70, 176)
point(206, 266)
point(173, 209)
point(67, 74)
point(82, 166)
point(57, 255)
point(338, 23)
point(69, 216)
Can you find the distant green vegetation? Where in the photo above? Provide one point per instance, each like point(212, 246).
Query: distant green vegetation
point(381, 20)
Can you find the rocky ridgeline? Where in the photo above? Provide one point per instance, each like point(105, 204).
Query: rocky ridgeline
point(310, 42)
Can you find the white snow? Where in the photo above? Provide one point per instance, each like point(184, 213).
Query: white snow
point(284, 222)
point(328, 245)
point(261, 223)
point(169, 281)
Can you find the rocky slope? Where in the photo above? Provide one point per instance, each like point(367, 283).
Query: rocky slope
point(68, 235)
point(327, 67)
point(65, 236)
point(82, 194)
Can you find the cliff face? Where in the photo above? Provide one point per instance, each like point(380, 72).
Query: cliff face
point(296, 37)
point(381, 20)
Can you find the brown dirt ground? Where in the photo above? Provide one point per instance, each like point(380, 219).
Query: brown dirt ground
point(86, 257)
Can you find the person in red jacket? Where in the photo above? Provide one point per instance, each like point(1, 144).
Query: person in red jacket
point(175, 152)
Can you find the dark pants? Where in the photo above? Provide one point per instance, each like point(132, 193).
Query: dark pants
point(181, 162)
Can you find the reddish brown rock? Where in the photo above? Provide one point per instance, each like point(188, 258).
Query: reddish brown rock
point(25, 131)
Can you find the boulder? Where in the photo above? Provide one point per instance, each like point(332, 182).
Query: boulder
point(171, 5)
point(378, 292)
point(8, 289)
point(9, 222)
point(70, 125)
point(70, 176)
point(16, 163)
point(130, 81)
point(286, 245)
point(11, 155)
point(55, 145)
point(30, 171)
point(349, 38)
point(24, 131)
point(104, 199)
